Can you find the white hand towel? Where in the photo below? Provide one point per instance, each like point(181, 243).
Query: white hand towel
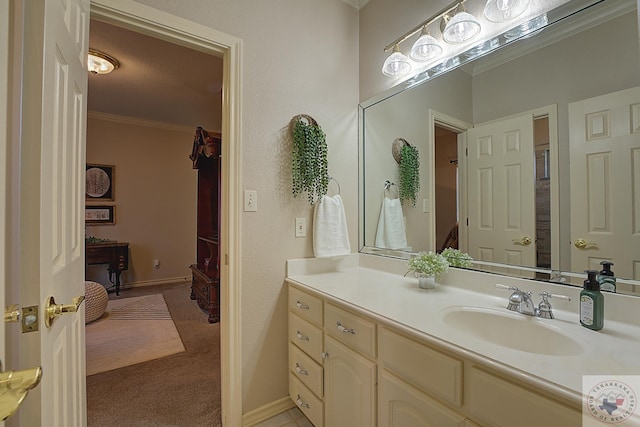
point(391, 233)
point(330, 236)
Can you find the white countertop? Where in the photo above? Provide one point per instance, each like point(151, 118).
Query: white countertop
point(615, 350)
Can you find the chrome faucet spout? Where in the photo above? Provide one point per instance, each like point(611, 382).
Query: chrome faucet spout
point(521, 302)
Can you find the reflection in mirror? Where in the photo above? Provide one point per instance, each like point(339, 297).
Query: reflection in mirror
point(529, 156)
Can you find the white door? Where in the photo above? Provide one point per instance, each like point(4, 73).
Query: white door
point(604, 138)
point(51, 203)
point(501, 192)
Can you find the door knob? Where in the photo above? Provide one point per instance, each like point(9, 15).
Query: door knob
point(14, 387)
point(583, 244)
point(53, 310)
point(524, 241)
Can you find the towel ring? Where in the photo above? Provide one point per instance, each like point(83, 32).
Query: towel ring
point(333, 179)
point(388, 184)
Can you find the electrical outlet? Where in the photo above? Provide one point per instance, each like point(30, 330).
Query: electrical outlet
point(425, 205)
point(301, 227)
point(250, 201)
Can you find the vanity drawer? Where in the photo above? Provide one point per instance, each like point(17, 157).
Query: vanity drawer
point(305, 305)
point(305, 369)
point(306, 336)
point(350, 329)
point(426, 368)
point(306, 401)
point(498, 402)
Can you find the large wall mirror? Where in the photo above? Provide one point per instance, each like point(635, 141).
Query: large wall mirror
point(529, 156)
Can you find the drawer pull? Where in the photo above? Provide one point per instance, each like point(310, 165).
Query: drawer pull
point(302, 306)
point(301, 403)
point(345, 330)
point(301, 337)
point(301, 371)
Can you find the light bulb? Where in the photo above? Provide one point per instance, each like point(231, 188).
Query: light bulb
point(462, 27)
point(396, 64)
point(426, 47)
point(504, 10)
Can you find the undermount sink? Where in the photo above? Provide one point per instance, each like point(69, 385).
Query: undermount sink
point(512, 330)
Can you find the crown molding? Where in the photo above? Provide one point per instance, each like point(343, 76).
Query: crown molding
point(358, 4)
point(137, 121)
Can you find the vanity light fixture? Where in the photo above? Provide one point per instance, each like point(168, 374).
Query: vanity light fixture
point(396, 64)
point(504, 10)
point(101, 63)
point(460, 27)
point(426, 47)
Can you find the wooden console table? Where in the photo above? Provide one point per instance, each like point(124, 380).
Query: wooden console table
point(116, 254)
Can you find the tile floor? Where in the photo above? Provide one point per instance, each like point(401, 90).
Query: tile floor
point(292, 418)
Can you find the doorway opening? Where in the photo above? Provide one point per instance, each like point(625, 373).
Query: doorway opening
point(447, 212)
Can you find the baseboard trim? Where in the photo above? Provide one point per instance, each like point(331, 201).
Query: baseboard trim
point(267, 411)
point(168, 280)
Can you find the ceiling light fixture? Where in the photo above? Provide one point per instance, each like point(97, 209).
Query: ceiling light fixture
point(504, 10)
point(101, 63)
point(396, 64)
point(460, 27)
point(426, 47)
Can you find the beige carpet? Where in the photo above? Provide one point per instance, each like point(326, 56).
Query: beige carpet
point(132, 330)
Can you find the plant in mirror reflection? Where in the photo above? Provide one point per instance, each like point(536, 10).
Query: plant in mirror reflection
point(409, 183)
point(428, 264)
point(457, 258)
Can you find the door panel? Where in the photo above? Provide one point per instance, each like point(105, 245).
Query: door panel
point(605, 182)
point(51, 204)
point(501, 191)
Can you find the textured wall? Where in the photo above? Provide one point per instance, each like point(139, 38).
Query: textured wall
point(299, 56)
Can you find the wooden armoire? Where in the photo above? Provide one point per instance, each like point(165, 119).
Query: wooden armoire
point(205, 273)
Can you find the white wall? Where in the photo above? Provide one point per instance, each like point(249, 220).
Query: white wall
point(299, 56)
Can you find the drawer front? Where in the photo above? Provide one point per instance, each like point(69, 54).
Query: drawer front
point(305, 369)
point(497, 402)
point(306, 401)
point(306, 336)
point(428, 369)
point(305, 305)
point(350, 329)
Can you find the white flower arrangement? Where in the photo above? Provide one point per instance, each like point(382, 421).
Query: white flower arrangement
point(457, 258)
point(428, 264)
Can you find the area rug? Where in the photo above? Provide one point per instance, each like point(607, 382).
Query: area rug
point(132, 330)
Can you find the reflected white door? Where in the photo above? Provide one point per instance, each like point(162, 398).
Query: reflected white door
point(501, 192)
point(51, 205)
point(604, 136)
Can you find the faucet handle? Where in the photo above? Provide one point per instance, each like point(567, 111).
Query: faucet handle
point(510, 288)
point(544, 308)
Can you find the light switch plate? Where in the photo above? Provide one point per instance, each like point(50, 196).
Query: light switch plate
point(301, 227)
point(250, 201)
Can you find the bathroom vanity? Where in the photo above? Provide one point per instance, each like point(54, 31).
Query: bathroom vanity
point(367, 347)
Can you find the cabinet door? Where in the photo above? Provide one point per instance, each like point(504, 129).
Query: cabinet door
point(349, 386)
point(402, 405)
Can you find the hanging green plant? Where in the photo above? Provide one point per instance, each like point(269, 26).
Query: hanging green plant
point(310, 168)
point(409, 184)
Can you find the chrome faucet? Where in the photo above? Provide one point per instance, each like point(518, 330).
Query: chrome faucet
point(521, 302)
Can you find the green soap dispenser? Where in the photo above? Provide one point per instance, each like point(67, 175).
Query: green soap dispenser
point(591, 303)
point(606, 278)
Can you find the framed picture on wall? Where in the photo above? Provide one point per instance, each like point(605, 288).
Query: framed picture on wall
point(100, 182)
point(100, 214)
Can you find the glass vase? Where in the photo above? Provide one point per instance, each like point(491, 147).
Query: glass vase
point(427, 282)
